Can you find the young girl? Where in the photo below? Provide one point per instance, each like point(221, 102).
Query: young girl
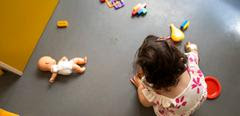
point(167, 79)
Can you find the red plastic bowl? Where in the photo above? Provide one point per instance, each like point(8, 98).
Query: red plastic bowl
point(213, 87)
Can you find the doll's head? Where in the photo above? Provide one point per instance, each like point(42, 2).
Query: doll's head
point(45, 63)
point(161, 62)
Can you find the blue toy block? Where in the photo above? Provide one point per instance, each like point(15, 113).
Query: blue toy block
point(140, 11)
point(184, 25)
point(144, 11)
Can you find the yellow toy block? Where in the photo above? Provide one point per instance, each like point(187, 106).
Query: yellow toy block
point(62, 24)
point(6, 113)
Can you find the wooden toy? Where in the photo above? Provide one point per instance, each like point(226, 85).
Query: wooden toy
point(176, 34)
point(185, 25)
point(63, 67)
point(139, 9)
point(213, 87)
point(102, 1)
point(62, 24)
point(117, 4)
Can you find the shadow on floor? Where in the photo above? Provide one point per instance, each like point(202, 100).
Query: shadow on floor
point(234, 3)
point(6, 81)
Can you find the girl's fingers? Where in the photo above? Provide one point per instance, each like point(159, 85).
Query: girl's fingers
point(133, 82)
point(135, 78)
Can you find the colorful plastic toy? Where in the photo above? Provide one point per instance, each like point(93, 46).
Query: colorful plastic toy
point(176, 34)
point(102, 1)
point(62, 24)
point(139, 9)
point(185, 25)
point(117, 4)
point(213, 87)
point(109, 4)
point(142, 11)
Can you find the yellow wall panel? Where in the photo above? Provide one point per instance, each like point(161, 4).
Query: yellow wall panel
point(21, 25)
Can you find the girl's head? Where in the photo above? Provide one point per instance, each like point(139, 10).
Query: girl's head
point(161, 62)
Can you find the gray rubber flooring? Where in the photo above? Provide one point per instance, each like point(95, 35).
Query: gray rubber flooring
point(110, 39)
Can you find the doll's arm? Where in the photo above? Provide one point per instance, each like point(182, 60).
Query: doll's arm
point(53, 77)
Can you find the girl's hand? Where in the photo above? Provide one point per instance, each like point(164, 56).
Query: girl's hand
point(136, 81)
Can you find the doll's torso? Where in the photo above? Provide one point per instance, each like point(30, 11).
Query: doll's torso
point(64, 67)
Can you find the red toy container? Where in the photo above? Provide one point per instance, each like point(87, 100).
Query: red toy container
point(213, 87)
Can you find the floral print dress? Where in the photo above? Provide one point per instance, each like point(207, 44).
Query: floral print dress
point(188, 100)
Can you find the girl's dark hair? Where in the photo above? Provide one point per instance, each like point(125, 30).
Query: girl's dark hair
point(161, 62)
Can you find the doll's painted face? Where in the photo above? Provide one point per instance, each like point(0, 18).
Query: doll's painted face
point(45, 63)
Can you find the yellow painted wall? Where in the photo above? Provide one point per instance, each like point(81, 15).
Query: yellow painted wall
point(21, 25)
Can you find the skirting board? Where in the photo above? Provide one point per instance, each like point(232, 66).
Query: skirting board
point(9, 68)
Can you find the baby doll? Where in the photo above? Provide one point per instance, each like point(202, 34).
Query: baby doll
point(64, 66)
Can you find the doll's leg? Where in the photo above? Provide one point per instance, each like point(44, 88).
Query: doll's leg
point(80, 60)
point(78, 69)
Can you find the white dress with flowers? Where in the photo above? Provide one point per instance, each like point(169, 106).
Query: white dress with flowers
point(188, 100)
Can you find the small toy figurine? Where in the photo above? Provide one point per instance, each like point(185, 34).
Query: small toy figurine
point(139, 9)
point(62, 24)
point(185, 25)
point(117, 4)
point(63, 67)
point(176, 34)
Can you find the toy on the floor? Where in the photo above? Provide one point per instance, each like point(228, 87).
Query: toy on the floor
point(117, 4)
point(176, 34)
point(213, 87)
point(114, 3)
point(102, 1)
point(185, 25)
point(63, 67)
point(7, 113)
point(62, 24)
point(139, 9)
point(109, 4)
